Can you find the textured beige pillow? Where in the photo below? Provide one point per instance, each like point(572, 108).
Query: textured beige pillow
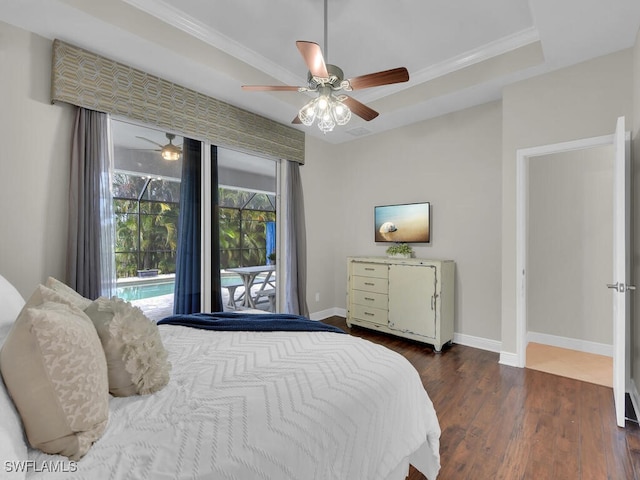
point(68, 293)
point(136, 359)
point(56, 373)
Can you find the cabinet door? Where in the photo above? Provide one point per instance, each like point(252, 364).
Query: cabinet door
point(412, 299)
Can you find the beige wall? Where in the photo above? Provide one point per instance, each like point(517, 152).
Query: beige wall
point(570, 245)
point(635, 211)
point(454, 162)
point(35, 138)
point(464, 163)
point(577, 102)
point(323, 185)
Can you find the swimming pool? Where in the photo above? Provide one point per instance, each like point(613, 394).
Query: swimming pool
point(156, 289)
point(138, 292)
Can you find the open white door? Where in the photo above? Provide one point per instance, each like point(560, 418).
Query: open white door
point(621, 270)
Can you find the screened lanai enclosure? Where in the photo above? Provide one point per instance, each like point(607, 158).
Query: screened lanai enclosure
point(146, 191)
point(247, 227)
point(147, 210)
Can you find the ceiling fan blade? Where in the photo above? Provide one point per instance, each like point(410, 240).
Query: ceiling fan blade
point(359, 108)
point(150, 141)
point(312, 55)
point(386, 77)
point(297, 120)
point(266, 88)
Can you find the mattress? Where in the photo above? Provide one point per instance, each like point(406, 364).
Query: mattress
point(267, 405)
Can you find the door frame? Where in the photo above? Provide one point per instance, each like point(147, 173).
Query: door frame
point(523, 157)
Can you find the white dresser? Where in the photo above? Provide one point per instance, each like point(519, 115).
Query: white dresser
point(411, 298)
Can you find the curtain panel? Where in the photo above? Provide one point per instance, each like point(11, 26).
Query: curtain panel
point(187, 294)
point(294, 243)
point(91, 235)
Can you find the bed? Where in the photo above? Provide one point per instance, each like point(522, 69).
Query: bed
point(250, 405)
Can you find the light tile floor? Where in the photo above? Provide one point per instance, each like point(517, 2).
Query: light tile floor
point(156, 308)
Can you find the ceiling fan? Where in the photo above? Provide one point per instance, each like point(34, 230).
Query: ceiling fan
point(168, 151)
point(330, 107)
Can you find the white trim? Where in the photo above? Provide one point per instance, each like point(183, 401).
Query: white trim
point(477, 342)
point(194, 27)
point(178, 19)
point(522, 182)
point(571, 343)
point(329, 312)
point(281, 202)
point(465, 59)
point(205, 236)
point(509, 359)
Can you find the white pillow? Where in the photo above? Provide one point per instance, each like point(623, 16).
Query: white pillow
point(136, 358)
point(69, 294)
point(11, 302)
point(13, 444)
point(55, 371)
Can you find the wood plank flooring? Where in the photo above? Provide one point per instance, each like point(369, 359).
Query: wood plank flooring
point(501, 422)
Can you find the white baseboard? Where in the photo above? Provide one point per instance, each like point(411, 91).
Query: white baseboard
point(330, 312)
point(477, 342)
point(571, 343)
point(635, 397)
point(509, 359)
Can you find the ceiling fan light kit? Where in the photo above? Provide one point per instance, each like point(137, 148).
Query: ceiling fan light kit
point(169, 151)
point(329, 109)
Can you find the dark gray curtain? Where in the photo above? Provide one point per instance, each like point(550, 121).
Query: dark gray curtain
point(295, 243)
point(90, 237)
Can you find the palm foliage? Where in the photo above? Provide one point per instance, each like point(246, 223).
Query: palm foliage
point(147, 211)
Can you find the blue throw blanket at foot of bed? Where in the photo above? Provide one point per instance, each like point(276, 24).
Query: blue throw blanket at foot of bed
point(268, 322)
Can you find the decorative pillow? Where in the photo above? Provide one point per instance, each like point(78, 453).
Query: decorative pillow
point(11, 302)
point(68, 293)
point(13, 446)
point(136, 359)
point(55, 371)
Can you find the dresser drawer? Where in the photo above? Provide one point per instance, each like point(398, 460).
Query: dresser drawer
point(368, 314)
point(370, 284)
point(370, 299)
point(371, 270)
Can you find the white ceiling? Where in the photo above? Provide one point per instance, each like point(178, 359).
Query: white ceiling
point(458, 53)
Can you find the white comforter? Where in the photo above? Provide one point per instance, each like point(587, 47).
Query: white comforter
point(268, 405)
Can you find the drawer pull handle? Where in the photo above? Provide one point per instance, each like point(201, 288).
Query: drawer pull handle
point(369, 284)
point(370, 299)
point(370, 314)
point(370, 269)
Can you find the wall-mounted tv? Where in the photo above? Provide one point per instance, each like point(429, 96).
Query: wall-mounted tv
point(406, 223)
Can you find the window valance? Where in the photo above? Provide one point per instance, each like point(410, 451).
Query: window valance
point(89, 80)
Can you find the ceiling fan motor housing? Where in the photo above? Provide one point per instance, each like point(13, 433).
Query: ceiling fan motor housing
point(336, 75)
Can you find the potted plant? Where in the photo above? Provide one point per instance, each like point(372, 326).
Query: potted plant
point(400, 250)
point(272, 258)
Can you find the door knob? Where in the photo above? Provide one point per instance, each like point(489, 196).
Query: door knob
point(621, 287)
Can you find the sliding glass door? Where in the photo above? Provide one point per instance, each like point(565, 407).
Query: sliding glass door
point(182, 222)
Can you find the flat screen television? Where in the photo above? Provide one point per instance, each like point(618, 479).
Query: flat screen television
point(406, 223)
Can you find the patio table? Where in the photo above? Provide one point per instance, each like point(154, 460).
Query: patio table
point(248, 275)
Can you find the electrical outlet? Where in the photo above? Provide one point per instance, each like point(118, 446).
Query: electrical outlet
point(317, 296)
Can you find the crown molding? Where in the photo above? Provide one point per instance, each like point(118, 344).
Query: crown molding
point(178, 19)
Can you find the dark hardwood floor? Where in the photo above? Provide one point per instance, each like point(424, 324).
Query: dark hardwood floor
point(501, 422)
